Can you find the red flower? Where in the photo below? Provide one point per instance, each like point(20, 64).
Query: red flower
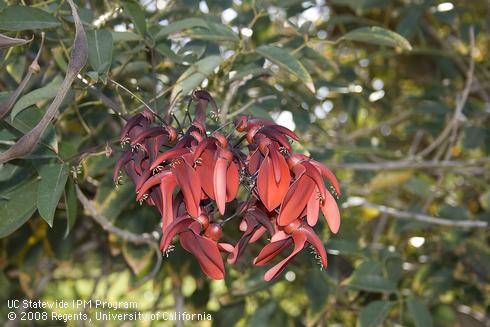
point(190, 176)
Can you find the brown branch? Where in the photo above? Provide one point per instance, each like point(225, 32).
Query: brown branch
point(230, 95)
point(407, 215)
point(78, 59)
point(390, 165)
point(128, 236)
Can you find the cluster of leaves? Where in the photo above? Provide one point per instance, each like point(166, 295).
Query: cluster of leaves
point(369, 85)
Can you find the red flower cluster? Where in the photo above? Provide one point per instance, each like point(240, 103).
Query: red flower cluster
point(190, 176)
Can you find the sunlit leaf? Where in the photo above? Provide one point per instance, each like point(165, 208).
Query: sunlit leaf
point(284, 59)
point(44, 93)
point(379, 36)
point(99, 50)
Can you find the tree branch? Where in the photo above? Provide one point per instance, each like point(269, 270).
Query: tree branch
point(407, 215)
point(391, 165)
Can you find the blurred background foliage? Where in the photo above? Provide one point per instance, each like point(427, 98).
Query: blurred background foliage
point(391, 94)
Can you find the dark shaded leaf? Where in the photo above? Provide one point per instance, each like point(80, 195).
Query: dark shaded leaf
point(19, 18)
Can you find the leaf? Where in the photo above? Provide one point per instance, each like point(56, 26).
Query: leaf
point(285, 60)
point(201, 29)
point(53, 180)
point(71, 205)
point(377, 35)
point(165, 51)
point(7, 41)
point(99, 50)
point(17, 206)
point(19, 18)
point(369, 277)
point(137, 15)
point(44, 93)
point(125, 36)
point(419, 312)
point(27, 119)
point(196, 73)
point(374, 313)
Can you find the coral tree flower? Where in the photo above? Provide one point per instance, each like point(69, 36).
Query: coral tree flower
point(193, 177)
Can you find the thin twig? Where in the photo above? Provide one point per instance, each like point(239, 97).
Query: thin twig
point(459, 103)
point(251, 103)
point(128, 236)
point(230, 95)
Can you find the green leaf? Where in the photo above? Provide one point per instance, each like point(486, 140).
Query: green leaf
point(419, 312)
point(369, 277)
point(44, 93)
point(17, 206)
point(200, 29)
point(27, 119)
point(137, 15)
point(53, 180)
point(70, 197)
point(374, 313)
point(19, 18)
point(195, 74)
point(125, 36)
point(285, 60)
point(99, 50)
point(377, 35)
point(165, 51)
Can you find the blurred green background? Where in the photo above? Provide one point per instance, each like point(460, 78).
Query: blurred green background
point(393, 95)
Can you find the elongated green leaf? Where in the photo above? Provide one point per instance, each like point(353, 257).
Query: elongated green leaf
point(285, 60)
point(125, 36)
point(369, 277)
point(374, 313)
point(19, 18)
point(70, 198)
point(44, 93)
point(7, 41)
point(27, 119)
point(137, 15)
point(199, 28)
point(17, 206)
point(379, 36)
point(419, 313)
point(196, 73)
point(53, 180)
point(100, 50)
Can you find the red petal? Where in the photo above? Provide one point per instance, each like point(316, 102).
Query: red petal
point(176, 227)
point(269, 191)
point(328, 174)
point(167, 186)
point(286, 131)
point(188, 181)
point(170, 154)
point(276, 165)
point(299, 243)
point(232, 182)
point(295, 200)
point(331, 212)
point(312, 172)
point(152, 181)
point(206, 253)
point(219, 179)
point(204, 169)
point(272, 250)
point(312, 209)
point(313, 239)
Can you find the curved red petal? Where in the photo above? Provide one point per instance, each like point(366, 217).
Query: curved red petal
point(188, 181)
point(314, 240)
point(232, 182)
point(167, 155)
point(312, 209)
point(219, 178)
point(328, 174)
point(176, 227)
point(206, 253)
point(272, 250)
point(167, 186)
point(299, 243)
point(295, 200)
point(331, 212)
